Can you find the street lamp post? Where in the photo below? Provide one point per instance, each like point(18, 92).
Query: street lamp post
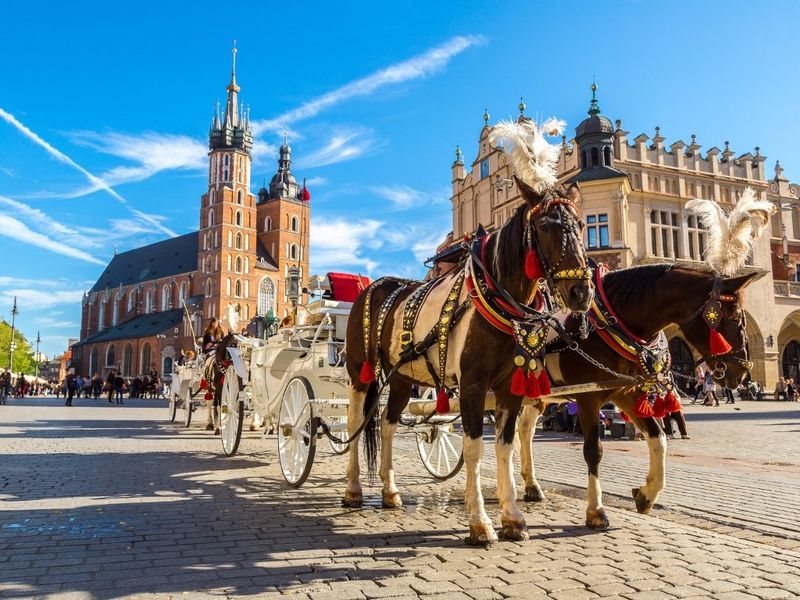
point(38, 358)
point(13, 345)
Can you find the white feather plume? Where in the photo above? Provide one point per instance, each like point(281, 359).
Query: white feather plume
point(731, 235)
point(533, 158)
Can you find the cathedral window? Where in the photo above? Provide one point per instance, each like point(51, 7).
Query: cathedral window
point(240, 197)
point(130, 301)
point(210, 197)
point(110, 356)
point(238, 241)
point(210, 219)
point(144, 366)
point(228, 286)
point(208, 288)
point(165, 297)
point(101, 316)
point(127, 360)
point(115, 310)
point(238, 264)
point(268, 224)
point(266, 296)
point(237, 288)
point(294, 225)
point(238, 218)
point(148, 302)
point(182, 295)
point(293, 252)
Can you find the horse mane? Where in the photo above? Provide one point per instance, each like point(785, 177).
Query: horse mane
point(507, 247)
point(636, 285)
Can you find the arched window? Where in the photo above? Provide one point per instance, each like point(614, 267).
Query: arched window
point(226, 170)
point(293, 252)
point(295, 224)
point(94, 366)
point(230, 263)
point(115, 310)
point(144, 366)
point(110, 356)
point(247, 241)
point(237, 289)
point(607, 156)
point(247, 265)
point(208, 288)
point(230, 239)
point(148, 301)
point(791, 360)
point(246, 312)
point(182, 295)
point(682, 359)
point(595, 157)
point(127, 360)
point(267, 223)
point(228, 286)
point(266, 296)
point(238, 218)
point(210, 219)
point(240, 197)
point(238, 242)
point(131, 300)
point(166, 368)
point(238, 264)
point(211, 196)
point(101, 316)
point(165, 297)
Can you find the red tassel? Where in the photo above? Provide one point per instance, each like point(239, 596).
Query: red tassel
point(532, 388)
point(642, 407)
point(659, 409)
point(719, 345)
point(204, 384)
point(544, 383)
point(442, 401)
point(533, 267)
point(671, 402)
point(518, 382)
point(367, 373)
point(625, 417)
point(209, 396)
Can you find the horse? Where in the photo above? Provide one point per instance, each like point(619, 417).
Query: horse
point(644, 300)
point(472, 354)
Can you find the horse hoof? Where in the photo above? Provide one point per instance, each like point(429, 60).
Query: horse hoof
point(209, 427)
point(253, 427)
point(514, 532)
point(481, 535)
point(597, 519)
point(353, 500)
point(534, 493)
point(643, 505)
point(391, 500)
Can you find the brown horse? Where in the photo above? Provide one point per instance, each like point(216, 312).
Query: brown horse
point(474, 356)
point(646, 300)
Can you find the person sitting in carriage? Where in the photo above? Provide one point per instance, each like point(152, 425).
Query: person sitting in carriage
point(211, 336)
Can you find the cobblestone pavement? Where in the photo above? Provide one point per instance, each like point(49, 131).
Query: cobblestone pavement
point(102, 501)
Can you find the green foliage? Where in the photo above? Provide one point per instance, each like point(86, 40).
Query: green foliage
point(23, 355)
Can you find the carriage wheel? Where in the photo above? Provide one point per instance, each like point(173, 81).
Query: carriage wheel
point(172, 407)
point(231, 412)
point(188, 408)
point(297, 444)
point(440, 450)
point(338, 448)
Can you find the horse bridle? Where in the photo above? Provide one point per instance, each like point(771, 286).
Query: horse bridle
point(720, 368)
point(569, 227)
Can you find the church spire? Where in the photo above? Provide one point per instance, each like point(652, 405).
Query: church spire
point(232, 105)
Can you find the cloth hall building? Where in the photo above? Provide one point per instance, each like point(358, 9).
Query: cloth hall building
point(133, 319)
point(634, 190)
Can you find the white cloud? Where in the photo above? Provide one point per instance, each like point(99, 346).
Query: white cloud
point(345, 144)
point(52, 323)
point(425, 247)
point(36, 298)
point(319, 180)
point(98, 182)
point(45, 224)
point(404, 197)
point(339, 243)
point(422, 65)
point(18, 231)
point(8, 172)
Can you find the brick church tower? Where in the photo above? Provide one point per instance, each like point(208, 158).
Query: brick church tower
point(227, 243)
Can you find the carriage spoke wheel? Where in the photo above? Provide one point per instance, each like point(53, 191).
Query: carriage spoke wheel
point(440, 450)
point(172, 407)
point(297, 444)
point(187, 407)
point(341, 433)
point(231, 412)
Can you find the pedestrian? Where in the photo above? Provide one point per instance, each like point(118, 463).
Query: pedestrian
point(791, 390)
point(5, 386)
point(780, 389)
point(572, 417)
point(119, 387)
point(78, 385)
point(680, 420)
point(728, 393)
point(87, 386)
point(710, 390)
point(72, 385)
point(699, 380)
point(97, 385)
point(111, 381)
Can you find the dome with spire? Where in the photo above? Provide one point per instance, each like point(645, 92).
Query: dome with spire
point(596, 123)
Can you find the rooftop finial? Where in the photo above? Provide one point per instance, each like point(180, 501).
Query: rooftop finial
point(594, 109)
point(521, 106)
point(459, 155)
point(285, 137)
point(233, 64)
point(486, 116)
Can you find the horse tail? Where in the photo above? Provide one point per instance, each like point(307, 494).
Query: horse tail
point(372, 414)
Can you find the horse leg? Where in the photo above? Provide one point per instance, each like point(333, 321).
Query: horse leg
point(399, 393)
point(646, 495)
point(527, 429)
point(588, 412)
point(473, 398)
point(210, 415)
point(512, 520)
point(353, 496)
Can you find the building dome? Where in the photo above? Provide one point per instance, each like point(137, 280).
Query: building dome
point(594, 124)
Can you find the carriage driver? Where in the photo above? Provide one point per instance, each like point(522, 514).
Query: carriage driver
point(211, 336)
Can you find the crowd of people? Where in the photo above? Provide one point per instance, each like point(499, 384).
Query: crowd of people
point(22, 387)
point(114, 386)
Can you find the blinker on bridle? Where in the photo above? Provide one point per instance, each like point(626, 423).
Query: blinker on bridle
point(711, 313)
point(534, 269)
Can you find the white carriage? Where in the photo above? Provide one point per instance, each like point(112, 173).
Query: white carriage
point(185, 391)
point(297, 379)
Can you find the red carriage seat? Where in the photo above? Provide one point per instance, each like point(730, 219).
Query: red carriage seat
point(345, 287)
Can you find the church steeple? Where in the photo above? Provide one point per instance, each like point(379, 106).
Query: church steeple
point(232, 105)
point(232, 130)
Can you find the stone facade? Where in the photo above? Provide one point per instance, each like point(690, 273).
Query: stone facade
point(633, 197)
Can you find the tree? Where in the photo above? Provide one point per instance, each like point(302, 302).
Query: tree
point(23, 354)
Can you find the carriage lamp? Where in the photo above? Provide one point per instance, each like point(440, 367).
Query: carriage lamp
point(293, 284)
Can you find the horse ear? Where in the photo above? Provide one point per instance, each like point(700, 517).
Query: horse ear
point(731, 285)
point(531, 196)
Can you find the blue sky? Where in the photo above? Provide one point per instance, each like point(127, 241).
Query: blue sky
point(104, 113)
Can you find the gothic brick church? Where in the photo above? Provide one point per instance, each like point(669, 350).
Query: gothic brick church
point(133, 319)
